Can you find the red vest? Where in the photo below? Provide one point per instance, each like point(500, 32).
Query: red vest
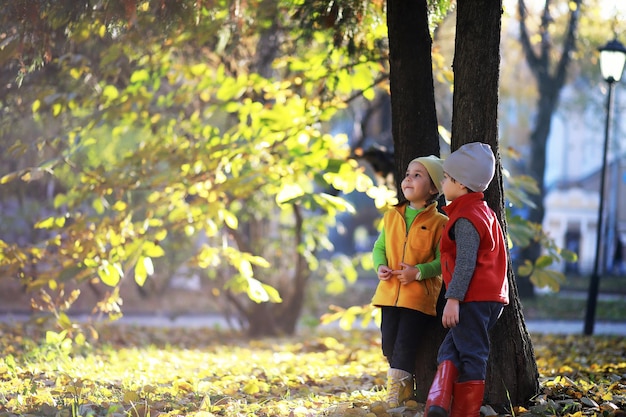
point(489, 282)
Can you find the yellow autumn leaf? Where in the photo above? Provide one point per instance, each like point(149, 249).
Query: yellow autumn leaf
point(607, 396)
point(181, 385)
point(251, 387)
point(110, 92)
point(131, 396)
point(289, 192)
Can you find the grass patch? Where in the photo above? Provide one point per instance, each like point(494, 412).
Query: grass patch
point(611, 284)
point(557, 307)
point(570, 303)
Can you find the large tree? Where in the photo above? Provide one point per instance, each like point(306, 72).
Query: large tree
point(414, 127)
point(512, 372)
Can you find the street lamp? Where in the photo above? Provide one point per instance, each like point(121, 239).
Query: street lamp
point(612, 59)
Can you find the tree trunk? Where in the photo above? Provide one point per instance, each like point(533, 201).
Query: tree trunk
point(426, 360)
point(276, 319)
point(414, 123)
point(270, 319)
point(512, 376)
point(414, 128)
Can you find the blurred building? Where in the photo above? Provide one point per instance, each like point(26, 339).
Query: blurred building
point(574, 165)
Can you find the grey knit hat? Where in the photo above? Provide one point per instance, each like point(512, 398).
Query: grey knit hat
point(473, 165)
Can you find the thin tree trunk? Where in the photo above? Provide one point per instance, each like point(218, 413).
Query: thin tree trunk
point(549, 82)
point(512, 376)
point(269, 319)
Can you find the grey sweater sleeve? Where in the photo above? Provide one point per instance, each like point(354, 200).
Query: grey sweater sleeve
point(467, 241)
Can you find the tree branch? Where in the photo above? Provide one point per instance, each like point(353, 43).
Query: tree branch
point(531, 57)
point(569, 46)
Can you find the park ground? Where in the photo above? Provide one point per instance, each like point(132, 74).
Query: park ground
point(139, 371)
point(131, 369)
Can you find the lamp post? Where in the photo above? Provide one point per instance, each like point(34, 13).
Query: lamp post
point(612, 59)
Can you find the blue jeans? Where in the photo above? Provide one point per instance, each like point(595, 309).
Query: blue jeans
point(467, 345)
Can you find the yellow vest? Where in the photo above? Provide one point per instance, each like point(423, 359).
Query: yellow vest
point(416, 246)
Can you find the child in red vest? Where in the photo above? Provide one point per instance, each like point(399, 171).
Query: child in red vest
point(406, 257)
point(474, 269)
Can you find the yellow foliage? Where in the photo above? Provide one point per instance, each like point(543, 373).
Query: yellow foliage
point(181, 385)
point(131, 397)
point(203, 372)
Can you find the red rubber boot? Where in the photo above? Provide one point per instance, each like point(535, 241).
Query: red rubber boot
point(468, 397)
point(440, 394)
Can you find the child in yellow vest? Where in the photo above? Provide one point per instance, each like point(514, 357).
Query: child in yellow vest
point(407, 259)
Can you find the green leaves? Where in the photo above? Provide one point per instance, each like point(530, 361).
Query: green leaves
point(50, 222)
point(544, 272)
point(110, 93)
point(140, 76)
point(110, 273)
point(288, 193)
point(540, 274)
point(143, 269)
point(261, 293)
point(165, 153)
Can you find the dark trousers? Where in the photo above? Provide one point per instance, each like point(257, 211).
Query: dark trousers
point(467, 345)
point(401, 331)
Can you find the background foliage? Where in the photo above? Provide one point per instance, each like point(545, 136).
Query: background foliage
point(160, 143)
point(143, 140)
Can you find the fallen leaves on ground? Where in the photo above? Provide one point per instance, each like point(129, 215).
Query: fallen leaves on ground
point(147, 372)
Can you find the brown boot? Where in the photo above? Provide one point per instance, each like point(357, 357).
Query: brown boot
point(440, 394)
point(468, 397)
point(399, 387)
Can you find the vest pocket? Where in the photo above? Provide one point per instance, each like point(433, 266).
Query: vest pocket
point(421, 242)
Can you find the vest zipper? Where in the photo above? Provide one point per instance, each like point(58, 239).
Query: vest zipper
point(406, 239)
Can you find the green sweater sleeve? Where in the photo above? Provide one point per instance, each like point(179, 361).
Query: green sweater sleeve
point(378, 253)
point(430, 269)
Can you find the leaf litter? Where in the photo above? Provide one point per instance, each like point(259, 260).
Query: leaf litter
point(133, 371)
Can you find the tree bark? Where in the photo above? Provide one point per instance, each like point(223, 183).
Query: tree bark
point(512, 376)
point(414, 129)
point(414, 117)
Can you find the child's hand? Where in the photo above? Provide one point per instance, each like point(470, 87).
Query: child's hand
point(384, 272)
point(407, 274)
point(450, 316)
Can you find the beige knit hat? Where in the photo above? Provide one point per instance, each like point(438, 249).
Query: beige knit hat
point(434, 166)
point(473, 165)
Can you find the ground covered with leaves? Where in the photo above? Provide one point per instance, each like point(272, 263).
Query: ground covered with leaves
point(146, 372)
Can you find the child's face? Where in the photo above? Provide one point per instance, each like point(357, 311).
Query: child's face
point(416, 185)
point(451, 188)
